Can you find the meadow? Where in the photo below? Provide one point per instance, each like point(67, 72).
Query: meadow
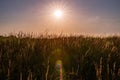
point(82, 58)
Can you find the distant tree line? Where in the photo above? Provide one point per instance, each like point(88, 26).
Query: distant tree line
point(83, 58)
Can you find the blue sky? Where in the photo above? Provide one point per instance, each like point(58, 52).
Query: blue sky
point(82, 16)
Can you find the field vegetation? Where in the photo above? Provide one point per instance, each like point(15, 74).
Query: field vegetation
point(23, 57)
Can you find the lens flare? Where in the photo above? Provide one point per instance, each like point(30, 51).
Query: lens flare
point(59, 67)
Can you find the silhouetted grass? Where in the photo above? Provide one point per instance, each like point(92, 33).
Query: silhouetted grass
point(23, 57)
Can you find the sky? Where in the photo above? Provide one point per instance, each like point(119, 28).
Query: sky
point(79, 16)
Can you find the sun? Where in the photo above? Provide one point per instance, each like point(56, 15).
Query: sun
point(58, 13)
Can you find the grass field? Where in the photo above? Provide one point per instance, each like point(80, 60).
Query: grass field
point(50, 58)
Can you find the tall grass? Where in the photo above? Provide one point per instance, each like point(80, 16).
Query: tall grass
point(23, 57)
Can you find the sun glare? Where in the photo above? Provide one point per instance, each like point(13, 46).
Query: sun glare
point(58, 13)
